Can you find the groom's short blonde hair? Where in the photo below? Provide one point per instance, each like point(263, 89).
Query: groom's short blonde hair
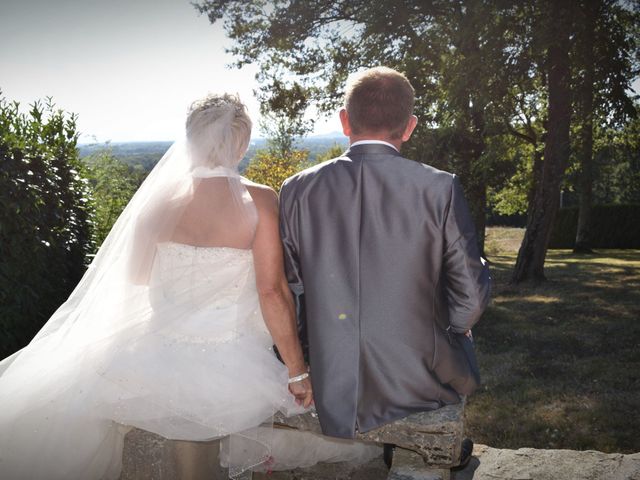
point(379, 100)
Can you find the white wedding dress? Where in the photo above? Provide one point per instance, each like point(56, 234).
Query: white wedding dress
point(161, 335)
point(210, 372)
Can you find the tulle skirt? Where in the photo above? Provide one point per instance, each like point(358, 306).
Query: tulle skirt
point(194, 380)
point(204, 377)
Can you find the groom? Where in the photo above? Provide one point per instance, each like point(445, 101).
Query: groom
point(381, 256)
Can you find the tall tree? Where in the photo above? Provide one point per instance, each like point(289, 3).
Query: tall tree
point(604, 62)
point(282, 109)
point(481, 70)
point(451, 51)
point(545, 201)
point(469, 97)
point(587, 13)
point(602, 102)
point(617, 160)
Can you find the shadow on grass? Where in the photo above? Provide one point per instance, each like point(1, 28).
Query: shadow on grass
point(561, 360)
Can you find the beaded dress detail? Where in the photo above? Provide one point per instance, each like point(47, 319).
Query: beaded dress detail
point(207, 361)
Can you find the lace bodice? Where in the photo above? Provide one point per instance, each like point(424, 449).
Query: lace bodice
point(205, 294)
point(202, 275)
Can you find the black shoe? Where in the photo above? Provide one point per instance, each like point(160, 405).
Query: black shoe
point(465, 454)
point(387, 454)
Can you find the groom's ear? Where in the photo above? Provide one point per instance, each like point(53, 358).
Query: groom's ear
point(344, 119)
point(408, 130)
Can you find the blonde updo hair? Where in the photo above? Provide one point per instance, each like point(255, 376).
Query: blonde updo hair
point(218, 130)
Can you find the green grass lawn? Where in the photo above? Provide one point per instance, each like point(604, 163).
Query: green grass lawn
point(560, 361)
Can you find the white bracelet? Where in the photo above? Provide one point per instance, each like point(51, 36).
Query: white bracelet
point(299, 378)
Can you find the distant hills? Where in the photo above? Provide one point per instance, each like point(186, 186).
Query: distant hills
point(143, 154)
point(147, 154)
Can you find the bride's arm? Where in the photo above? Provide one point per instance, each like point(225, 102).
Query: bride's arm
point(276, 300)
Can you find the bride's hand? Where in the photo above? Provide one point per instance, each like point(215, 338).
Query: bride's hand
point(302, 391)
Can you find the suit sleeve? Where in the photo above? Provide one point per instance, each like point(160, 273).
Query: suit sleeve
point(288, 234)
point(290, 243)
point(466, 275)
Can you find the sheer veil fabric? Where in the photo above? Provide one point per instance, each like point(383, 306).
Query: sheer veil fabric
point(163, 325)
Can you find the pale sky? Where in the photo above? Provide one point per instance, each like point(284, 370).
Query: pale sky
point(128, 68)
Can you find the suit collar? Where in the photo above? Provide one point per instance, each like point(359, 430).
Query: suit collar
point(372, 149)
point(381, 142)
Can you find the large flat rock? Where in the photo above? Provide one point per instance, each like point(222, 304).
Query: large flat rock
point(435, 435)
point(148, 456)
point(408, 465)
point(533, 464)
point(495, 464)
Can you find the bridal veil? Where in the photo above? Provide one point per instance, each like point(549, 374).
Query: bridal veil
point(63, 403)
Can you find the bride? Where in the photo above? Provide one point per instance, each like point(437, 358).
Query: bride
point(171, 328)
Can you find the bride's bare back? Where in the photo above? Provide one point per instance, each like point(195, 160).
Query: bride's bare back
point(216, 216)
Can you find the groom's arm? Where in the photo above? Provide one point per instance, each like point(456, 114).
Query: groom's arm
point(466, 275)
point(290, 243)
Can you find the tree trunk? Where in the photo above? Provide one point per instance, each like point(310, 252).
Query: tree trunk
point(481, 218)
point(475, 188)
point(588, 17)
point(546, 199)
point(479, 181)
point(477, 199)
point(472, 122)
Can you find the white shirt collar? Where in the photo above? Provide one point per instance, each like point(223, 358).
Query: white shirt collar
point(380, 142)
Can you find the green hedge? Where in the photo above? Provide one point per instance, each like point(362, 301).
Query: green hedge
point(612, 226)
point(45, 218)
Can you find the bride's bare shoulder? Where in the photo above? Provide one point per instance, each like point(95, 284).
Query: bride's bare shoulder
point(265, 197)
point(259, 186)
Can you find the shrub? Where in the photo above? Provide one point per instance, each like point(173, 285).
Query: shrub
point(612, 226)
point(113, 183)
point(45, 219)
point(272, 168)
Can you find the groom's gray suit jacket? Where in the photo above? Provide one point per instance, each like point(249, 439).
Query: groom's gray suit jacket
point(381, 254)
